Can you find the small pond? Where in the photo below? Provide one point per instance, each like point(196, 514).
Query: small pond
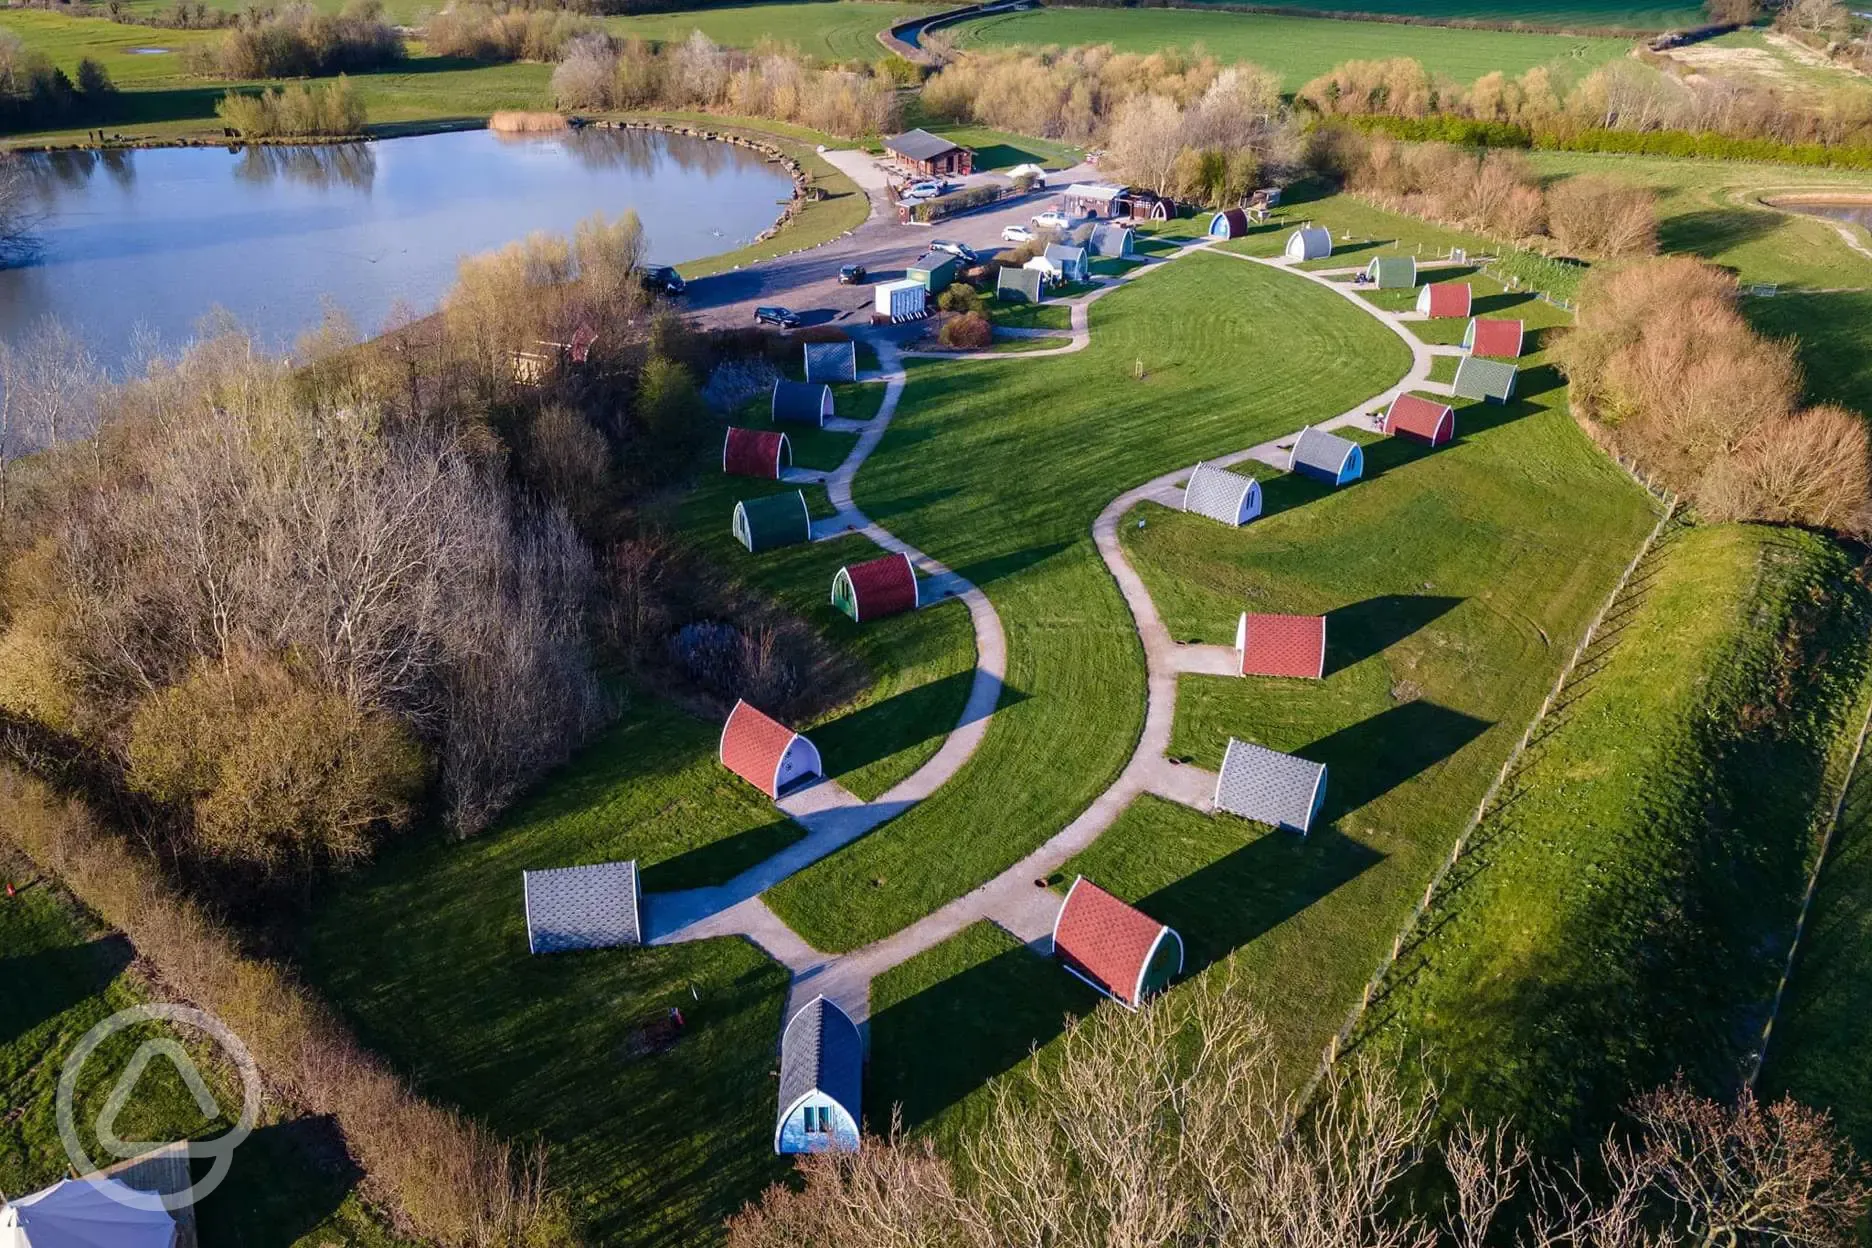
point(149, 242)
point(1858, 212)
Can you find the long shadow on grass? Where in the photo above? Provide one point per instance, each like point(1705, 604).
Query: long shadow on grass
point(1254, 889)
point(900, 722)
point(1716, 229)
point(1369, 759)
point(288, 1178)
point(1495, 305)
point(1386, 454)
point(46, 983)
point(985, 572)
point(940, 1045)
point(722, 860)
point(1359, 630)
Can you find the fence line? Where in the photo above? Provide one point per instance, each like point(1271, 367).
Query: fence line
point(1837, 815)
point(1389, 960)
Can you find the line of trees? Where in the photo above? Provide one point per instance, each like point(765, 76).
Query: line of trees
point(299, 41)
point(1662, 364)
point(600, 72)
point(1172, 1126)
point(35, 94)
point(321, 110)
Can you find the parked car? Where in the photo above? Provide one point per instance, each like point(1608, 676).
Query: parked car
point(924, 190)
point(664, 279)
point(1017, 234)
point(960, 251)
point(1052, 219)
point(785, 318)
point(851, 274)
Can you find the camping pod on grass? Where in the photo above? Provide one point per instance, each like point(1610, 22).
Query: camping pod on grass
point(801, 403)
point(772, 522)
point(1281, 645)
point(765, 752)
point(761, 453)
point(1313, 242)
point(1493, 337)
point(1392, 272)
point(1421, 420)
point(1477, 378)
point(1116, 948)
point(1269, 787)
point(1326, 457)
point(1229, 223)
point(594, 907)
point(876, 588)
point(1440, 299)
point(1223, 496)
point(831, 361)
point(821, 1080)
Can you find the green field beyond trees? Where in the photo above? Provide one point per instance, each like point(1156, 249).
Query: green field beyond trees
point(1565, 13)
point(1297, 48)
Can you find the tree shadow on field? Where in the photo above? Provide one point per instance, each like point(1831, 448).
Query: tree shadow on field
point(1714, 230)
point(1254, 889)
point(933, 1049)
point(44, 984)
point(1359, 630)
point(1370, 758)
point(257, 1209)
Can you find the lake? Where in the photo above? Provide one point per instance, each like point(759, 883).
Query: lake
point(153, 240)
point(1857, 212)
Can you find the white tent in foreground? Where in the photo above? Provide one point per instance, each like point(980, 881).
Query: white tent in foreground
point(87, 1213)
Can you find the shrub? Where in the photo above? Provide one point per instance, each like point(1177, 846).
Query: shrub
point(301, 42)
point(326, 110)
point(479, 32)
point(961, 297)
point(1601, 217)
point(969, 332)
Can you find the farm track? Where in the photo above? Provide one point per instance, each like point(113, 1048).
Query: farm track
point(1018, 899)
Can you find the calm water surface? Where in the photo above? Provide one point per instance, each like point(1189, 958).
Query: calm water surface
point(160, 238)
point(1856, 213)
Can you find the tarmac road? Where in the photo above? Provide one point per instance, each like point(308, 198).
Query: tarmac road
point(807, 281)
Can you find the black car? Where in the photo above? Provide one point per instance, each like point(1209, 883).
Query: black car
point(851, 274)
point(664, 279)
point(785, 318)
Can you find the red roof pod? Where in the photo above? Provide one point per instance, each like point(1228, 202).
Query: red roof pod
point(766, 753)
point(1423, 420)
point(1444, 299)
point(1281, 645)
point(1498, 339)
point(1119, 950)
point(759, 453)
point(877, 587)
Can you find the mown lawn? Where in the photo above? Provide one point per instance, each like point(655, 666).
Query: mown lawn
point(1833, 331)
point(1588, 13)
point(1296, 48)
point(998, 469)
point(1624, 913)
point(63, 975)
point(1016, 315)
point(840, 30)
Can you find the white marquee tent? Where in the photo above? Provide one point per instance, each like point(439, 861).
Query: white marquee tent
point(87, 1213)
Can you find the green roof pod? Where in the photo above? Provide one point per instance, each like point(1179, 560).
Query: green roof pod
point(1477, 378)
point(771, 522)
point(1019, 286)
point(1392, 272)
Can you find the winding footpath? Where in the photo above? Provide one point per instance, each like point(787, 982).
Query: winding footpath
point(1018, 899)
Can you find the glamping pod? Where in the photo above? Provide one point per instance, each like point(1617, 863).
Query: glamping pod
point(1422, 420)
point(1498, 339)
point(1113, 242)
point(1224, 496)
point(1065, 263)
point(1270, 787)
point(1313, 242)
point(801, 403)
point(595, 907)
point(1440, 299)
point(1326, 457)
point(1477, 378)
point(766, 753)
point(755, 453)
point(1392, 272)
point(1116, 948)
point(831, 361)
point(1229, 223)
point(876, 588)
point(1281, 645)
point(1019, 286)
point(821, 1077)
point(92, 1212)
point(772, 522)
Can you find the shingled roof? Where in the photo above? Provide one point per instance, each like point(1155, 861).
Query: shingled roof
point(820, 1051)
point(919, 145)
point(1498, 338)
point(1326, 455)
point(755, 453)
point(1222, 495)
point(1107, 943)
point(831, 361)
point(877, 587)
point(1478, 378)
point(592, 907)
point(1269, 787)
point(1422, 420)
point(1441, 299)
point(1281, 645)
point(755, 746)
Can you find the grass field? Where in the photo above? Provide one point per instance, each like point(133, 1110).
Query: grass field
point(1297, 48)
point(62, 976)
point(1083, 429)
point(1624, 913)
point(842, 30)
point(1562, 13)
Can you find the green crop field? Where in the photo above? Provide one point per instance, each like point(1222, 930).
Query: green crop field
point(834, 30)
point(1297, 48)
point(1561, 13)
point(63, 976)
point(1625, 912)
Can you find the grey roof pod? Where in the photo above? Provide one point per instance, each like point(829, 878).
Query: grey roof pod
point(591, 907)
point(831, 361)
point(801, 403)
point(1222, 495)
point(1269, 787)
point(820, 1051)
